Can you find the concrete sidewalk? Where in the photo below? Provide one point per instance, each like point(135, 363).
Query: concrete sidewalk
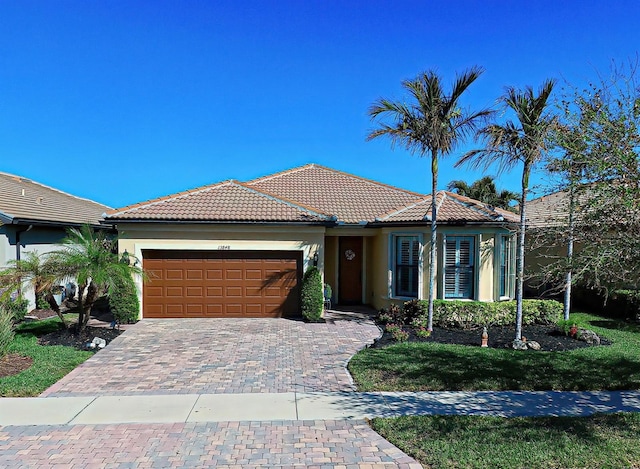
point(289, 406)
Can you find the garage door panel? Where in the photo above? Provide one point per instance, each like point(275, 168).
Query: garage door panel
point(221, 283)
point(214, 292)
point(174, 274)
point(193, 274)
point(194, 292)
point(214, 274)
point(233, 274)
point(174, 292)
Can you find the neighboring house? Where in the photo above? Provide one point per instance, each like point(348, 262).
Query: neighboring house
point(240, 249)
point(34, 217)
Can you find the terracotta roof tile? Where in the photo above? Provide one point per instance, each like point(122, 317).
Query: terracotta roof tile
point(452, 208)
point(226, 201)
point(22, 198)
point(350, 198)
point(548, 210)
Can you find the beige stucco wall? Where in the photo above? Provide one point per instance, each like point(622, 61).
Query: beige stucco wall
point(486, 288)
point(377, 290)
point(134, 238)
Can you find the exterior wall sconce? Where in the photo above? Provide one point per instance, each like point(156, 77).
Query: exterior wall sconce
point(315, 259)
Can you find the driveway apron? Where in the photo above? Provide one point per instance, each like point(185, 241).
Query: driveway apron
point(213, 356)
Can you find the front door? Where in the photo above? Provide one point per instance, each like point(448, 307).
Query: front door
point(350, 270)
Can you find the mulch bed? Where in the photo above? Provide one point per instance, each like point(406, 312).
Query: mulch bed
point(549, 338)
point(13, 363)
point(70, 337)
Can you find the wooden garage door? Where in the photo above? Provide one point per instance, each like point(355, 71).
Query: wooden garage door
point(215, 284)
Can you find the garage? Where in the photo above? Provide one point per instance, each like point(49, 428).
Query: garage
point(221, 284)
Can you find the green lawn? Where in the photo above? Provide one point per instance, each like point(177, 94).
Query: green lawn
point(50, 363)
point(436, 367)
point(598, 441)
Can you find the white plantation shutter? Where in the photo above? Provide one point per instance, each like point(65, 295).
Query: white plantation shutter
point(407, 255)
point(459, 267)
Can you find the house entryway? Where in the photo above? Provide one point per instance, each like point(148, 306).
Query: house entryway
point(350, 269)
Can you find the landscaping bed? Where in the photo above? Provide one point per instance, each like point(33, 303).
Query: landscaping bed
point(548, 336)
point(71, 338)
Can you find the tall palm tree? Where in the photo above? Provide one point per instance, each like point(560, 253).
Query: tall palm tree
point(37, 274)
point(431, 123)
point(484, 190)
point(90, 258)
point(522, 142)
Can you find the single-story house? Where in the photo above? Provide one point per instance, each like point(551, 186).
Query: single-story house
point(236, 249)
point(34, 217)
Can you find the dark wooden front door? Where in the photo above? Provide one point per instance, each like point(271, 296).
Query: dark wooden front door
point(350, 270)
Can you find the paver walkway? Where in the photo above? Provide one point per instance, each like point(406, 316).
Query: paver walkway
point(213, 356)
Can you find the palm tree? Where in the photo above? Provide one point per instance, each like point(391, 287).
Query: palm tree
point(484, 190)
point(432, 123)
point(35, 273)
point(525, 141)
point(90, 258)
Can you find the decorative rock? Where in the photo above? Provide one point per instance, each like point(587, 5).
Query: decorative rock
point(589, 337)
point(533, 345)
point(519, 345)
point(98, 342)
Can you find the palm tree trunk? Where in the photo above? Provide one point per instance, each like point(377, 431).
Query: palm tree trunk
point(520, 251)
point(92, 293)
point(433, 256)
point(81, 289)
point(54, 306)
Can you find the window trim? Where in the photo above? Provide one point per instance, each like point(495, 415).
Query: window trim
point(474, 256)
point(393, 240)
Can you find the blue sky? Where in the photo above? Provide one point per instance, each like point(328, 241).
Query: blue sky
point(123, 101)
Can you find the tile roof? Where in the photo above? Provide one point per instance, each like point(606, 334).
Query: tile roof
point(310, 193)
point(24, 199)
point(226, 201)
point(350, 198)
point(548, 210)
point(452, 208)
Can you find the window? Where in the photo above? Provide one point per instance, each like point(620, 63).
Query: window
point(406, 271)
point(506, 275)
point(459, 272)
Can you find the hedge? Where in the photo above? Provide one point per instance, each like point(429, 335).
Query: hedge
point(123, 301)
point(471, 314)
point(312, 295)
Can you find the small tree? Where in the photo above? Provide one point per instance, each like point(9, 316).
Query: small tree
point(36, 272)
point(312, 295)
point(432, 124)
point(525, 142)
point(90, 257)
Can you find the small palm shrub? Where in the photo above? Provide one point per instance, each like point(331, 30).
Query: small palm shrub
point(123, 300)
point(312, 295)
point(6, 331)
point(15, 307)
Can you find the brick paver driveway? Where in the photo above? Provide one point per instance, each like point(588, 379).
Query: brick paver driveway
point(202, 356)
point(211, 356)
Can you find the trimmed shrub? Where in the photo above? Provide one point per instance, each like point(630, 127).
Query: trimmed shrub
point(123, 301)
point(6, 331)
point(472, 314)
point(312, 295)
point(16, 307)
